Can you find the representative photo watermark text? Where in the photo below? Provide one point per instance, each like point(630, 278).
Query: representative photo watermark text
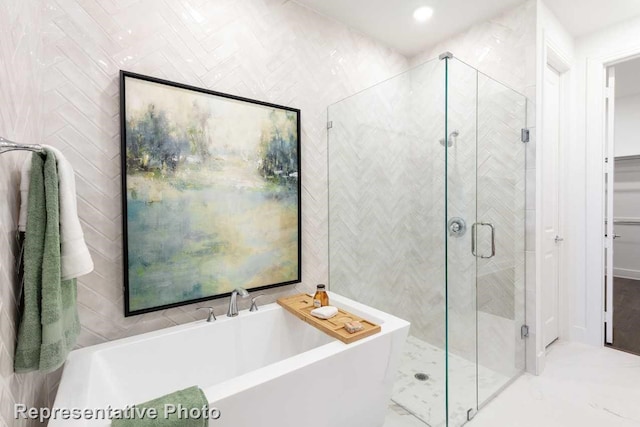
point(180, 412)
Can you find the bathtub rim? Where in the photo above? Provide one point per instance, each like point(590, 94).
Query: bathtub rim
point(75, 386)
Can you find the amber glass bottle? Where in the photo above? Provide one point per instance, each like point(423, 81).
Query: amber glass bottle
point(321, 298)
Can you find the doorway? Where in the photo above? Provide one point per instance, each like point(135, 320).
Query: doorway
point(622, 219)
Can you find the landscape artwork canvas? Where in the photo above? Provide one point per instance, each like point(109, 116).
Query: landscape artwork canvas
point(211, 193)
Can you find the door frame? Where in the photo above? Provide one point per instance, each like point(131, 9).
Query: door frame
point(609, 169)
point(595, 139)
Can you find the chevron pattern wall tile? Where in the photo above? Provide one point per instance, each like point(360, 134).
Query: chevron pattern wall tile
point(502, 47)
point(20, 120)
point(269, 50)
point(62, 58)
point(385, 188)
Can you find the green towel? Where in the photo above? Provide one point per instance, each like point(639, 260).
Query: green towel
point(49, 325)
point(192, 397)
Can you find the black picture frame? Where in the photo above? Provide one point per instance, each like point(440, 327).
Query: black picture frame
point(155, 143)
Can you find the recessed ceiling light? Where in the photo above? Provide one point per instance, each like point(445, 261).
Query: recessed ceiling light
point(422, 14)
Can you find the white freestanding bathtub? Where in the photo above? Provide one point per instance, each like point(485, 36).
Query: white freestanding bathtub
point(261, 369)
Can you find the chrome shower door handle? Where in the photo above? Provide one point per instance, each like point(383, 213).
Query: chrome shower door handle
point(493, 240)
point(473, 239)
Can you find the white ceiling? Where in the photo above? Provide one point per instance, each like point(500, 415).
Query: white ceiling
point(392, 23)
point(582, 17)
point(627, 81)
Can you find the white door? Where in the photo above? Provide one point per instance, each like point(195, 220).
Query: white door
point(550, 206)
point(609, 168)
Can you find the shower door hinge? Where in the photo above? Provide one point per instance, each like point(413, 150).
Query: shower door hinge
point(524, 331)
point(329, 125)
point(524, 135)
point(471, 413)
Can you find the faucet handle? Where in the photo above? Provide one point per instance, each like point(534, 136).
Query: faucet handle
point(254, 305)
point(212, 315)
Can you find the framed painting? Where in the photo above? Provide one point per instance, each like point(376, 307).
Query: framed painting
point(210, 192)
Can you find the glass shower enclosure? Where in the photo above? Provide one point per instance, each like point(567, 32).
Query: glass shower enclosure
point(427, 222)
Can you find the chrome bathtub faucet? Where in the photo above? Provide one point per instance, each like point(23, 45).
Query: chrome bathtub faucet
point(254, 304)
point(212, 316)
point(233, 303)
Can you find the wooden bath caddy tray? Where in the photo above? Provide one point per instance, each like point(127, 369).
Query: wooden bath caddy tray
point(301, 306)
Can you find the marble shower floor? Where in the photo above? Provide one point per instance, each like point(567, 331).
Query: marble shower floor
point(419, 403)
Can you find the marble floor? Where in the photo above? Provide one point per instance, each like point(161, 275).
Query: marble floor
point(423, 402)
point(581, 386)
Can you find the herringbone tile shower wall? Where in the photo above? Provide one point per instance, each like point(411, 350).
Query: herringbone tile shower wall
point(386, 183)
point(502, 47)
point(271, 50)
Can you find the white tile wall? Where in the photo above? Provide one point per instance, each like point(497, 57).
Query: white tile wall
point(21, 120)
point(386, 181)
point(503, 47)
point(269, 50)
point(64, 57)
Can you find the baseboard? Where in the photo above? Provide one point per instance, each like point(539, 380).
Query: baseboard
point(626, 273)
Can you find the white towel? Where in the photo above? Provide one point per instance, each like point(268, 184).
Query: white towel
point(326, 312)
point(75, 259)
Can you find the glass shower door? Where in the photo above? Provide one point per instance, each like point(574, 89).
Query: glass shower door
point(500, 242)
point(485, 213)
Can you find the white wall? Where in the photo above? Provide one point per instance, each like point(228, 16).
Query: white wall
point(627, 125)
point(593, 52)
